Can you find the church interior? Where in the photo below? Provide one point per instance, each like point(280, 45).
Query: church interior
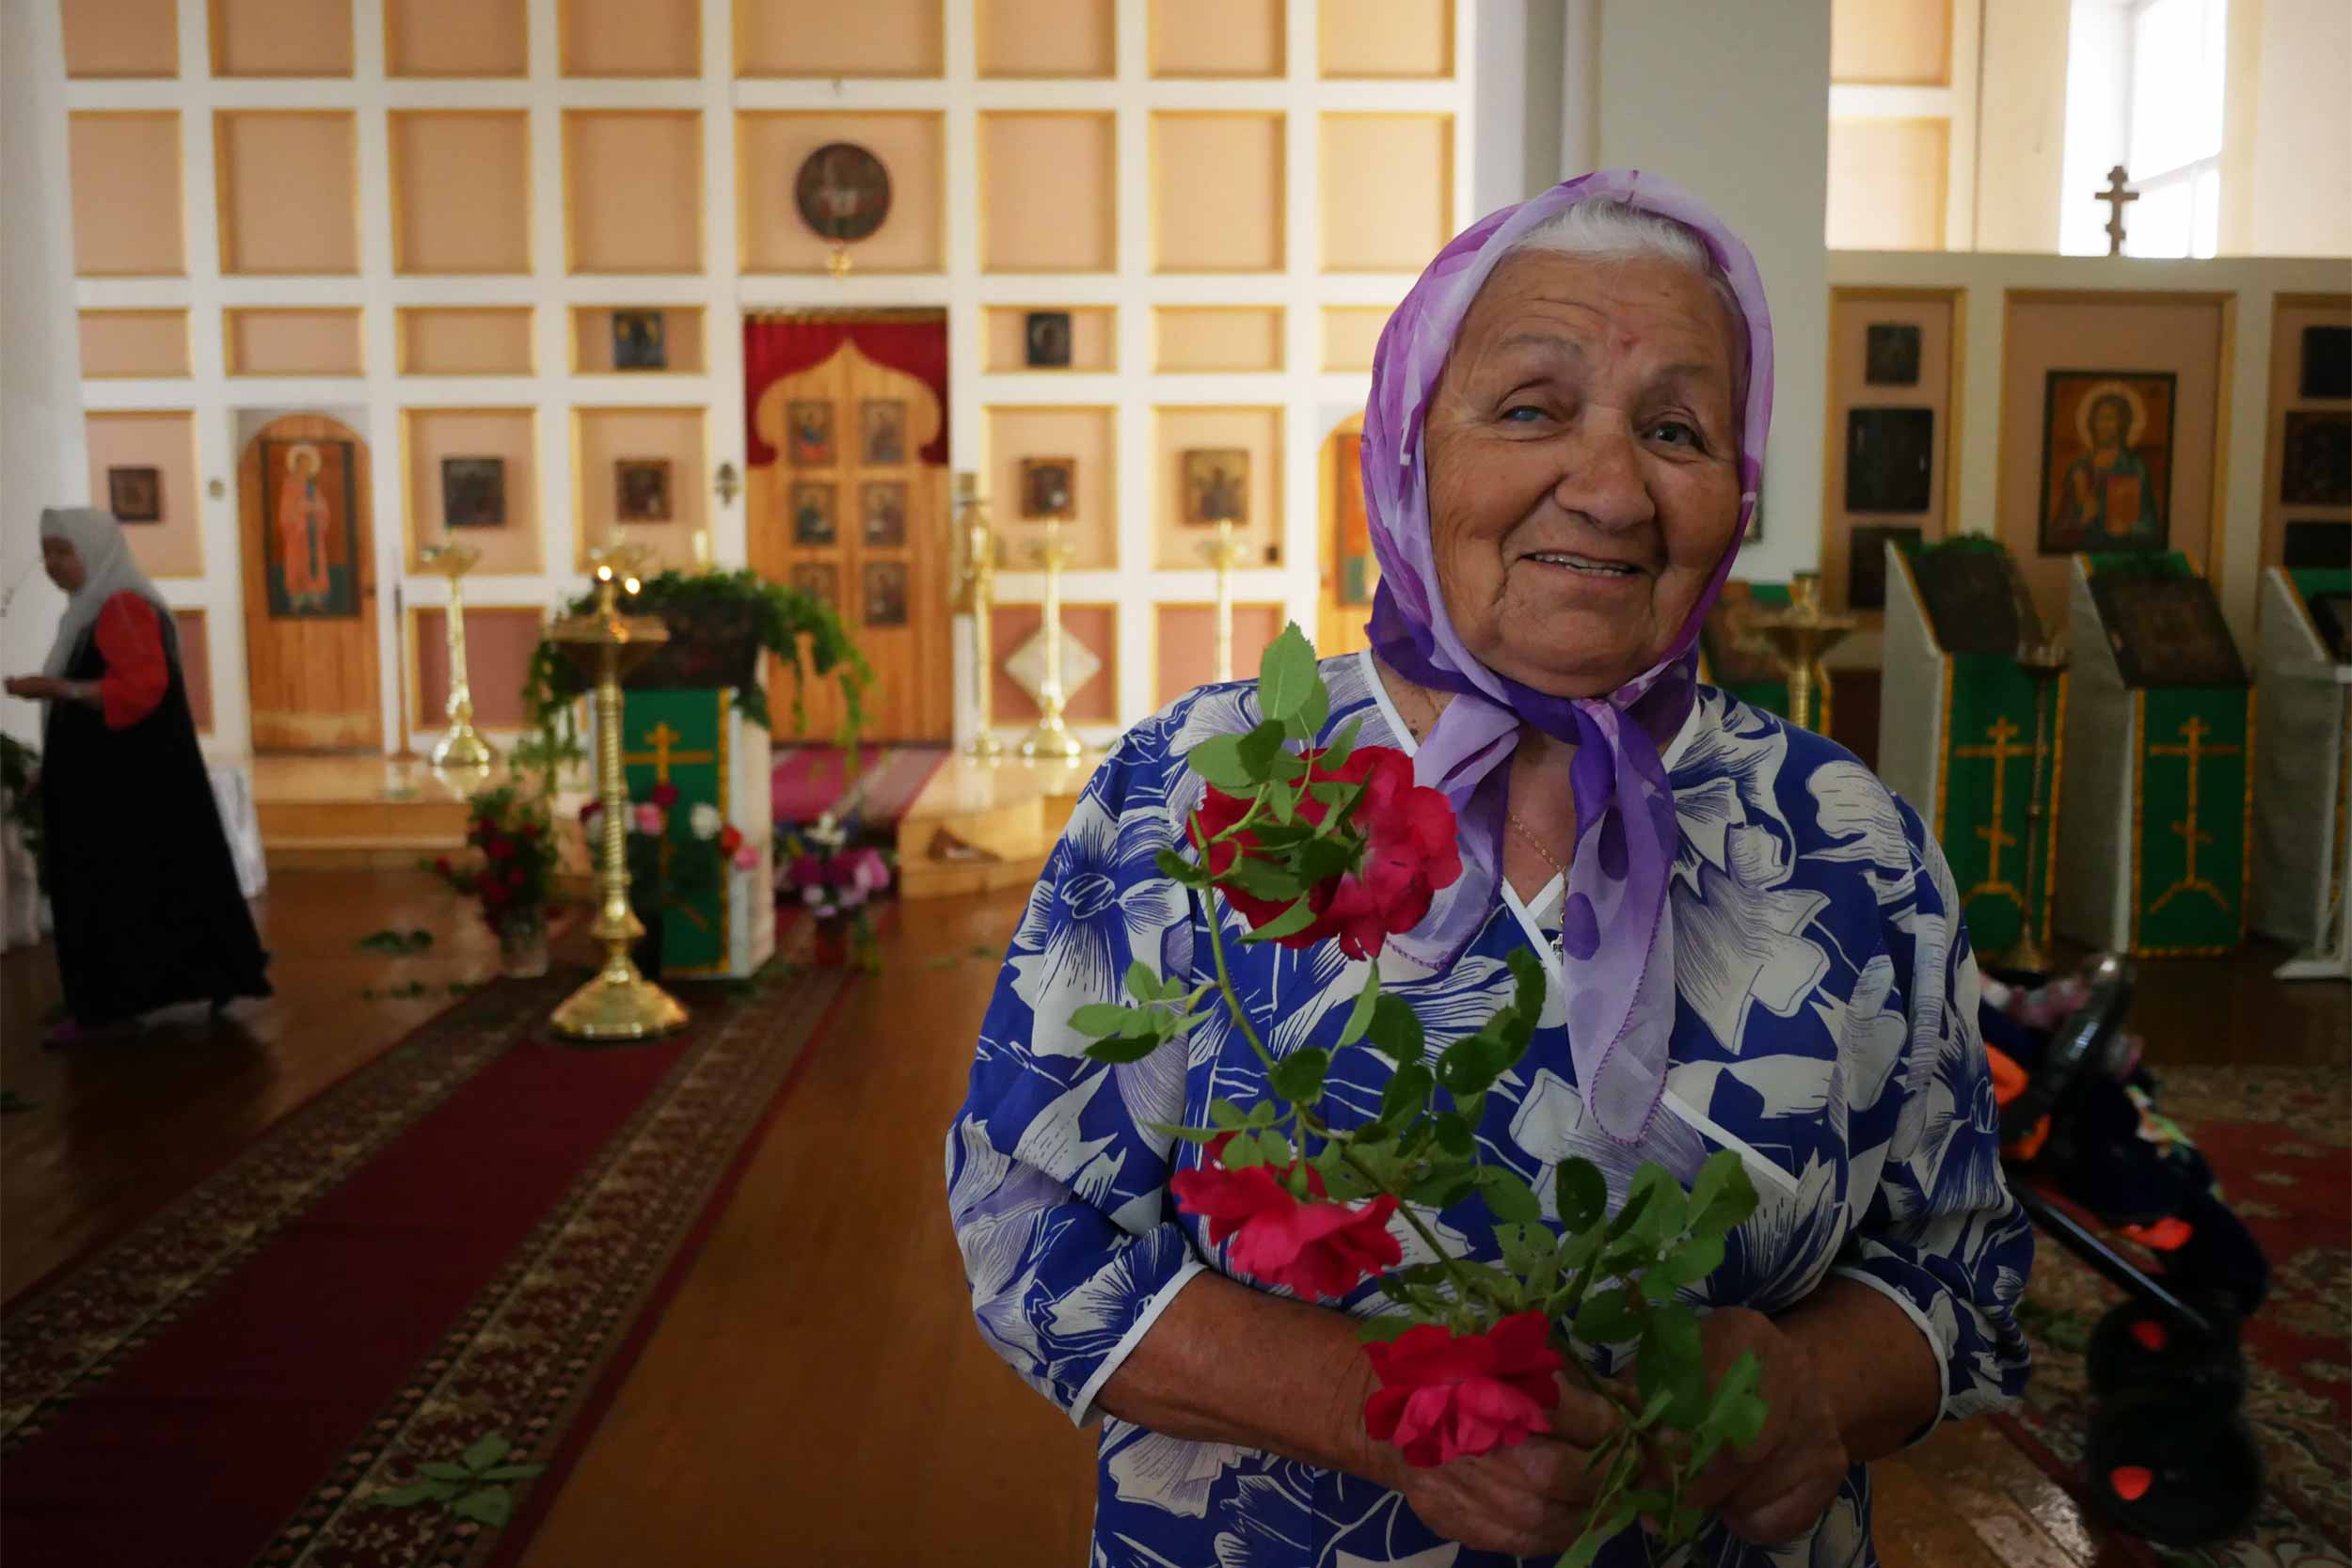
point(775, 448)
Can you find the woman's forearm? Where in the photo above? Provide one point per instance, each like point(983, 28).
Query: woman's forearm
point(1881, 1374)
point(1226, 1364)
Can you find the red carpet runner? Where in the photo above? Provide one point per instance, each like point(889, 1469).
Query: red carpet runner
point(809, 780)
point(2277, 1139)
point(453, 1243)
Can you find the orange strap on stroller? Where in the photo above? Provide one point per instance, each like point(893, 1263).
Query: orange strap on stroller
point(2008, 1082)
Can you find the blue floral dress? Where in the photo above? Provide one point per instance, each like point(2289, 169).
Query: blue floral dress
point(1826, 1029)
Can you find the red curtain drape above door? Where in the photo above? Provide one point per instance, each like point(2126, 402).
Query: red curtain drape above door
point(778, 346)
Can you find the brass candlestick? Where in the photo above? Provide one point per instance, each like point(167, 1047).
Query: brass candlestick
point(1801, 634)
point(619, 1004)
point(1052, 738)
point(2045, 661)
point(1224, 551)
point(976, 593)
point(462, 746)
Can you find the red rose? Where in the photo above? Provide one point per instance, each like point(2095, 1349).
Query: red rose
point(440, 864)
point(665, 796)
point(1317, 1249)
point(1408, 853)
point(528, 831)
point(591, 811)
point(500, 848)
point(1444, 1396)
point(729, 840)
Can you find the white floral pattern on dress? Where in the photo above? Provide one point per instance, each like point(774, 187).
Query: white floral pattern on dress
point(1826, 1029)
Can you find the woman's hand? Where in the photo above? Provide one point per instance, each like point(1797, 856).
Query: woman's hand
point(1523, 1501)
point(1778, 1489)
point(52, 689)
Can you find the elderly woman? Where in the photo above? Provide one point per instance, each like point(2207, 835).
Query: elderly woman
point(1750, 945)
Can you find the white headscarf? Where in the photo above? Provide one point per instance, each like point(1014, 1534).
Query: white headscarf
point(107, 569)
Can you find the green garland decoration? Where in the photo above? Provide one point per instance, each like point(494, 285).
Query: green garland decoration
point(778, 617)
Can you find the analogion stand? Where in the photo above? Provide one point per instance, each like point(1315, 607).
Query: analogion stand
point(2302, 847)
point(2156, 768)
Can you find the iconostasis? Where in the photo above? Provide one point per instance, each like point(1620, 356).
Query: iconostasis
point(513, 253)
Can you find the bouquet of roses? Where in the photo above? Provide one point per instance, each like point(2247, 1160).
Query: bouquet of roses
point(664, 869)
point(514, 879)
point(816, 868)
point(1338, 842)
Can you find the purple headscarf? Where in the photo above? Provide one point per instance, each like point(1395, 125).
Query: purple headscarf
point(1616, 934)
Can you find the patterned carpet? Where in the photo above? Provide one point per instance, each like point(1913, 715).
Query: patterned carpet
point(808, 781)
point(2280, 1139)
point(440, 1268)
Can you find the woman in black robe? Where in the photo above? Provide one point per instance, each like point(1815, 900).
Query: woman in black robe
point(134, 862)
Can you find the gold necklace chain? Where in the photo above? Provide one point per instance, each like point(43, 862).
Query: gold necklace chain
point(1517, 825)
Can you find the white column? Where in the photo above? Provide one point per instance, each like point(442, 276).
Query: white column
point(42, 449)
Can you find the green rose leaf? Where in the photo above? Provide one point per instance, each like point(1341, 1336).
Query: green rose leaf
point(1219, 761)
point(1692, 1261)
point(1342, 745)
point(1723, 1197)
point(1672, 1360)
point(1262, 878)
point(445, 1469)
point(1259, 748)
point(1608, 1318)
point(1263, 1113)
point(1243, 1152)
point(1101, 1019)
point(1582, 1193)
point(1286, 676)
point(1406, 1093)
point(487, 1451)
point(1387, 1327)
point(489, 1506)
point(1651, 1411)
point(1299, 1077)
point(1174, 867)
point(1360, 1016)
point(1312, 712)
point(1396, 1031)
point(513, 1472)
point(1443, 1188)
point(1319, 859)
point(1122, 1050)
point(1289, 923)
point(1508, 1197)
point(1226, 1115)
point(1471, 1065)
point(1188, 1134)
point(1142, 984)
point(408, 1496)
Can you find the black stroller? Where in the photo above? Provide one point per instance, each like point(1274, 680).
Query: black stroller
point(2169, 1457)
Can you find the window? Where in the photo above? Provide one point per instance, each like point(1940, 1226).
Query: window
point(2144, 89)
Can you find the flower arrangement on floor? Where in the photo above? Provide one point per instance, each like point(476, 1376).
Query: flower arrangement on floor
point(1313, 845)
point(817, 868)
point(514, 879)
point(667, 871)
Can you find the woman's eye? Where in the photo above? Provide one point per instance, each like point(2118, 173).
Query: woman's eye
point(1524, 413)
point(1676, 432)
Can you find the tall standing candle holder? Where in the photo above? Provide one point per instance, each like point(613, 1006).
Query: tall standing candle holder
point(1052, 738)
point(461, 744)
point(1801, 634)
point(975, 596)
point(619, 1004)
point(1224, 553)
point(2045, 661)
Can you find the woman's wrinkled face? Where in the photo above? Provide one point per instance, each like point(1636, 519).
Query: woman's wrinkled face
point(62, 562)
point(1584, 466)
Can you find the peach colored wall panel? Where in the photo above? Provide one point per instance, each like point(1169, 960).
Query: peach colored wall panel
point(134, 344)
point(632, 190)
point(1216, 38)
point(280, 37)
point(288, 191)
point(1217, 337)
point(1351, 334)
point(1255, 430)
point(1096, 625)
point(433, 435)
point(1186, 644)
point(1084, 434)
point(500, 640)
point(681, 337)
point(1049, 193)
point(465, 341)
point(127, 211)
point(165, 441)
point(631, 38)
point(1906, 41)
point(1216, 192)
point(2041, 336)
point(455, 38)
point(196, 666)
point(1388, 191)
point(1093, 338)
point(1886, 182)
point(461, 191)
point(262, 341)
point(120, 37)
point(825, 38)
point(1387, 38)
point(605, 436)
point(1047, 38)
point(770, 150)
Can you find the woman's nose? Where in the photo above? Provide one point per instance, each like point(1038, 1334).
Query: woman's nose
point(1601, 477)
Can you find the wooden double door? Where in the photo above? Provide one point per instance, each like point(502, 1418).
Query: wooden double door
point(850, 512)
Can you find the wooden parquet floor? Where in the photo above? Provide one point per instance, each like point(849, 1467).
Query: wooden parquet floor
point(816, 1393)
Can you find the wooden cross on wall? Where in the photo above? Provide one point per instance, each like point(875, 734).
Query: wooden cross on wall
point(2115, 195)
